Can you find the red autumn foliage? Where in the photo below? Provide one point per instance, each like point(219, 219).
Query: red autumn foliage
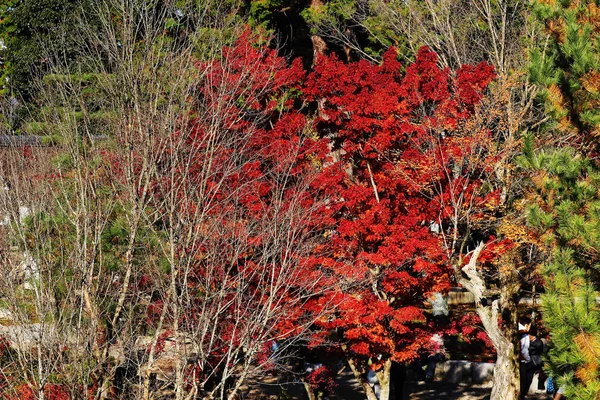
point(51, 392)
point(470, 328)
point(369, 180)
point(391, 137)
point(321, 379)
point(243, 190)
point(469, 338)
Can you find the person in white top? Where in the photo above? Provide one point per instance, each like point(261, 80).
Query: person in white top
point(525, 359)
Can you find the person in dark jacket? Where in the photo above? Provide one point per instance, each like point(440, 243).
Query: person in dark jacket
point(536, 349)
point(530, 367)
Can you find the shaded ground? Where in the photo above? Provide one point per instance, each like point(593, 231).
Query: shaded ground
point(348, 389)
point(447, 391)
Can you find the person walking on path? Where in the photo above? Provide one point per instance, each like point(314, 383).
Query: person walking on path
point(526, 373)
point(532, 349)
point(536, 349)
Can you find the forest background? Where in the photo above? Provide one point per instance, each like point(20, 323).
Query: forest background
point(195, 193)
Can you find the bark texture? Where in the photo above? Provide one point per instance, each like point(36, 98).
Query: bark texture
point(506, 370)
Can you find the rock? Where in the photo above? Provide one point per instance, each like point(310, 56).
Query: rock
point(453, 371)
point(482, 372)
point(22, 337)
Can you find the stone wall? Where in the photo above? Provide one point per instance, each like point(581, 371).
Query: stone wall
point(461, 371)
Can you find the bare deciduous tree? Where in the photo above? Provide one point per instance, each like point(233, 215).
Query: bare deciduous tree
point(169, 230)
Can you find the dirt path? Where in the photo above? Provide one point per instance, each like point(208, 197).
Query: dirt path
point(446, 391)
point(348, 389)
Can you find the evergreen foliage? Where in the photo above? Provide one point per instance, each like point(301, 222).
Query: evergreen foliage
point(567, 67)
point(565, 206)
point(565, 210)
point(34, 31)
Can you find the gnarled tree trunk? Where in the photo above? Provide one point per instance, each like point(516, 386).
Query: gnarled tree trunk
point(506, 370)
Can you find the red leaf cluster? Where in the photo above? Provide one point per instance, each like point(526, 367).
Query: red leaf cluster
point(243, 188)
point(393, 137)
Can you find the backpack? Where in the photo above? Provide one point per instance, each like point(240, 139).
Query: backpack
point(536, 349)
point(549, 385)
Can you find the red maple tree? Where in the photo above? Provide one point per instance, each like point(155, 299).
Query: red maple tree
point(391, 138)
point(266, 221)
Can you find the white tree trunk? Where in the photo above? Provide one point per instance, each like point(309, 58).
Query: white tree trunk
point(506, 370)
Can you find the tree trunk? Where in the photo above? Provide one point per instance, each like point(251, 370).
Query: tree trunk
point(309, 390)
point(318, 44)
point(384, 380)
point(506, 370)
point(359, 376)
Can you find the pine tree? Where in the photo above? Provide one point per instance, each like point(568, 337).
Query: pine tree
point(565, 210)
point(567, 66)
point(565, 202)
